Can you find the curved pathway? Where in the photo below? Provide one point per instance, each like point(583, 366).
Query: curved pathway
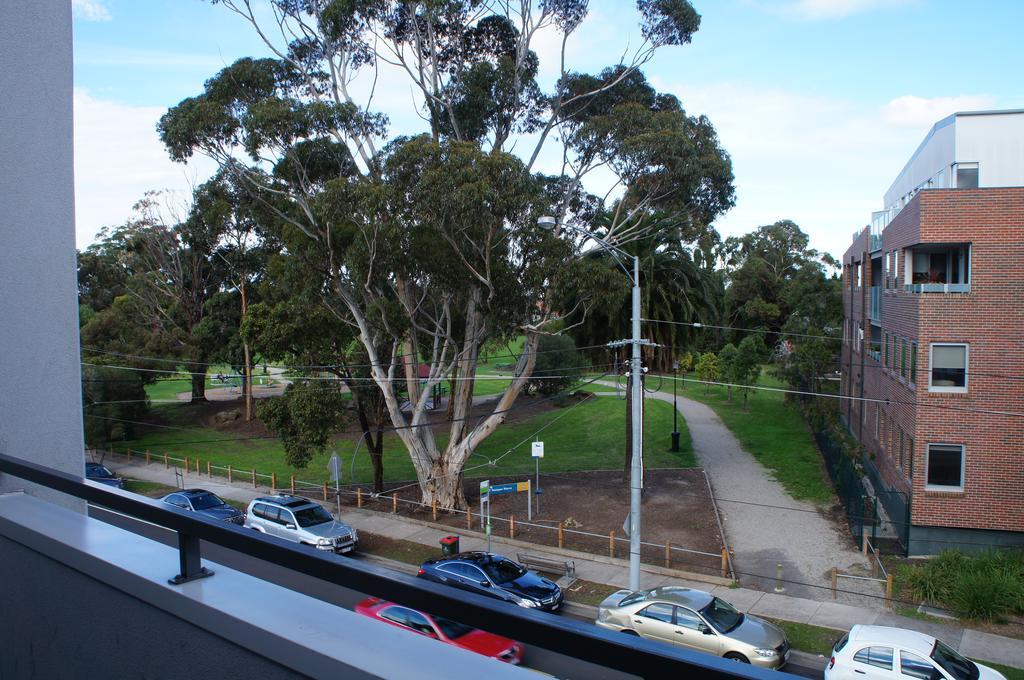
point(765, 526)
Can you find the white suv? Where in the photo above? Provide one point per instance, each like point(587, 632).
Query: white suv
point(868, 652)
point(301, 520)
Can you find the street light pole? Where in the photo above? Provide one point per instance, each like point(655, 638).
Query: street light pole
point(636, 472)
point(636, 476)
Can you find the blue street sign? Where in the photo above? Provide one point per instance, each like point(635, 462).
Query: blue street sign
point(498, 489)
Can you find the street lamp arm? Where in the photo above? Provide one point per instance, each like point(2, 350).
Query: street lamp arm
point(617, 253)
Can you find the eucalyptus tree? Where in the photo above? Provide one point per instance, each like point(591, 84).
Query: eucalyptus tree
point(430, 241)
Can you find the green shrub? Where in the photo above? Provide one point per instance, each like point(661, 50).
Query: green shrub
point(987, 585)
point(984, 595)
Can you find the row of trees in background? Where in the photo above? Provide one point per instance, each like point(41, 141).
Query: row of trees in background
point(386, 263)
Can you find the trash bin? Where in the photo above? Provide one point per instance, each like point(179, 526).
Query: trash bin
point(450, 545)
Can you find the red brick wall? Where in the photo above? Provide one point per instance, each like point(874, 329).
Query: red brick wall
point(991, 320)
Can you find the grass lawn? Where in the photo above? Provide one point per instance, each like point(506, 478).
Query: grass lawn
point(396, 549)
point(773, 432)
point(588, 436)
point(808, 638)
point(151, 489)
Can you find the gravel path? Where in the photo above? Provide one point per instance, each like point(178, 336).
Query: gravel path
point(765, 526)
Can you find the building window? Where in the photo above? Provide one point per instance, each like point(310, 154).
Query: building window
point(945, 467)
point(948, 368)
point(885, 350)
point(903, 357)
point(858, 269)
point(913, 363)
point(966, 175)
point(892, 352)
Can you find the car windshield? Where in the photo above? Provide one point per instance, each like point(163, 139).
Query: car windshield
point(633, 598)
point(205, 501)
point(99, 471)
point(452, 629)
point(722, 615)
point(954, 664)
point(503, 571)
point(312, 516)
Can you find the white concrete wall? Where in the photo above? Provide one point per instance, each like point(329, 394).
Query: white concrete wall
point(996, 143)
point(935, 153)
point(40, 388)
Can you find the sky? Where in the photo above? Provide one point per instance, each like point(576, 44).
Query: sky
point(819, 103)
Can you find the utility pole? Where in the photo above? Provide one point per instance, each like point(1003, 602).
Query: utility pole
point(675, 409)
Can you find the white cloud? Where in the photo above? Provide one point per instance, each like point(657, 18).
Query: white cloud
point(90, 10)
point(912, 111)
point(118, 157)
point(823, 162)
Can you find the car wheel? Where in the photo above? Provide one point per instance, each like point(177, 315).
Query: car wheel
point(736, 656)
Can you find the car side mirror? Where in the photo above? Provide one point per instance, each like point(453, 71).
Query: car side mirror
point(289, 526)
point(706, 629)
point(485, 584)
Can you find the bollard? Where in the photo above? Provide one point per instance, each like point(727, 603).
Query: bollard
point(229, 474)
point(293, 485)
point(359, 497)
point(166, 466)
point(254, 478)
point(874, 564)
point(611, 544)
point(561, 535)
point(835, 581)
point(273, 482)
point(209, 473)
point(888, 591)
point(147, 456)
point(433, 509)
point(325, 491)
point(511, 526)
point(394, 503)
point(779, 588)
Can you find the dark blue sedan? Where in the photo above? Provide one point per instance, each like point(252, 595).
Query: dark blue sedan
point(494, 576)
point(205, 503)
point(102, 474)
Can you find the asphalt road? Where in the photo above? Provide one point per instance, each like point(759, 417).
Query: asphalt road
point(548, 661)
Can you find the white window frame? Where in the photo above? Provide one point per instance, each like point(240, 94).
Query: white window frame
point(967, 364)
point(928, 464)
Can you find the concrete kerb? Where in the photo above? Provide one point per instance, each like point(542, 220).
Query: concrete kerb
point(546, 549)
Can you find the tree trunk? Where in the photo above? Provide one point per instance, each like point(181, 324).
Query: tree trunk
point(198, 384)
point(445, 484)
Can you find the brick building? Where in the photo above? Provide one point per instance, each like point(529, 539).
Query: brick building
point(933, 349)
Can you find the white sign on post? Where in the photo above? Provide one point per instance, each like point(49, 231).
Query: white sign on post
point(335, 467)
point(538, 450)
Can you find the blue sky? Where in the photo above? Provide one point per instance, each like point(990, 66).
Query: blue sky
point(819, 102)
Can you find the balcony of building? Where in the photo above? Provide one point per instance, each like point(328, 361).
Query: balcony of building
point(937, 268)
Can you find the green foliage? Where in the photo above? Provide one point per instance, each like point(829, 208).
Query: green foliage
point(304, 418)
point(986, 586)
point(558, 366)
point(114, 402)
point(708, 368)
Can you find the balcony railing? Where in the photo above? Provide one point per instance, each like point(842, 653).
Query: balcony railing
point(574, 639)
point(875, 303)
point(937, 287)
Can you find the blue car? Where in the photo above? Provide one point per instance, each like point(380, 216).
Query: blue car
point(205, 503)
point(102, 474)
point(494, 576)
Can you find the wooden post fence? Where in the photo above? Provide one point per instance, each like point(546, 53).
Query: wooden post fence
point(874, 563)
point(359, 497)
point(186, 464)
point(611, 544)
point(725, 562)
point(668, 554)
point(469, 518)
point(229, 474)
point(325, 491)
point(561, 535)
point(888, 591)
point(835, 581)
point(197, 466)
point(433, 509)
point(511, 526)
point(209, 470)
point(166, 465)
point(293, 485)
point(254, 478)
point(147, 456)
point(273, 482)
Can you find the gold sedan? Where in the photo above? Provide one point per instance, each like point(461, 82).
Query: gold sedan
point(697, 620)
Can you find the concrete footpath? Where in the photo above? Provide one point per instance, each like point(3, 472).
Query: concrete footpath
point(599, 569)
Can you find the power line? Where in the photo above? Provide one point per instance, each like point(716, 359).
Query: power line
point(698, 324)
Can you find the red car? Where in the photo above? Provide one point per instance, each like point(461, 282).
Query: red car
point(442, 629)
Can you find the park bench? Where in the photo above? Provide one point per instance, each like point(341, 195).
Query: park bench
point(547, 564)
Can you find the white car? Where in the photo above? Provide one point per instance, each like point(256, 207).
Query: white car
point(885, 653)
